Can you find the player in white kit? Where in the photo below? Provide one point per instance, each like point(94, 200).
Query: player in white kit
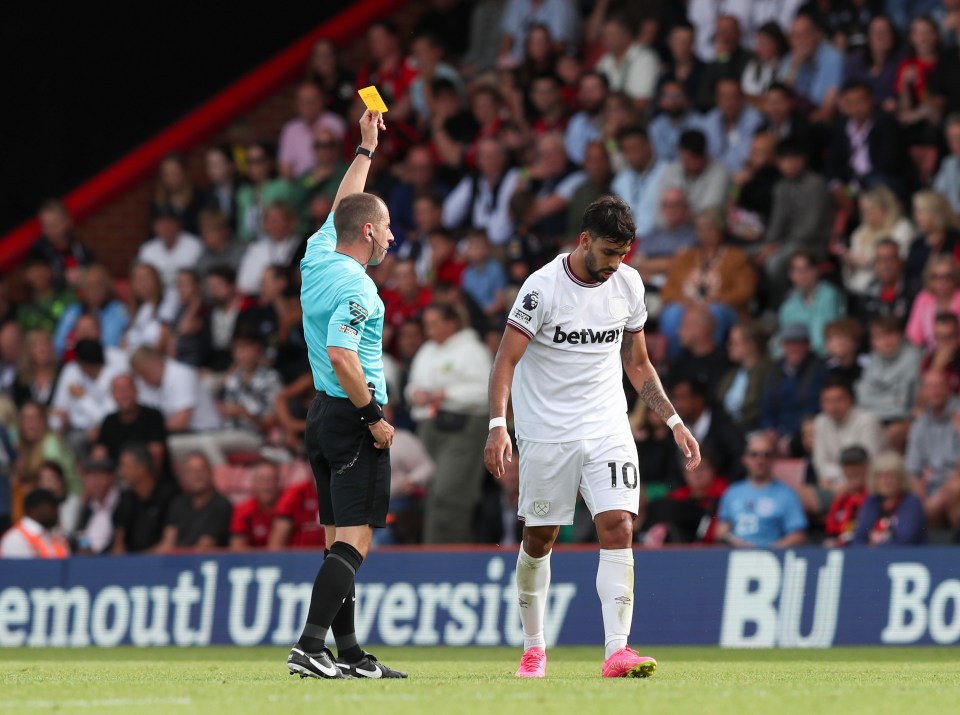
point(575, 327)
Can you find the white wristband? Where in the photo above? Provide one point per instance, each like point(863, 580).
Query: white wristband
point(674, 421)
point(498, 422)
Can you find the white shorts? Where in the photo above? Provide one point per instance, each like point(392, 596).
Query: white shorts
point(603, 470)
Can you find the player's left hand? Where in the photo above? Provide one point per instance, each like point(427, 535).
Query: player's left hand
point(498, 449)
point(688, 445)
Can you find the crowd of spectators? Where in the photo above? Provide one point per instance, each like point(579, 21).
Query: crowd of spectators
point(794, 172)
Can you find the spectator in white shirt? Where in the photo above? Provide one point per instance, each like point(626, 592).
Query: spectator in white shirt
point(629, 66)
point(171, 249)
point(704, 180)
point(296, 139)
point(278, 247)
point(82, 398)
point(148, 309)
point(482, 200)
point(178, 392)
point(101, 495)
point(447, 388)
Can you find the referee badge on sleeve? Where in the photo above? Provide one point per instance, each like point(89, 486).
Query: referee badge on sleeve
point(541, 508)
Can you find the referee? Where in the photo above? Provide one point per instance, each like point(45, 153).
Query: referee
point(347, 439)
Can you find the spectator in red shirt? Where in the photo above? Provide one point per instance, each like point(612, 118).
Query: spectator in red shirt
point(549, 111)
point(296, 520)
point(389, 70)
point(253, 519)
point(689, 513)
point(446, 265)
point(841, 522)
point(406, 298)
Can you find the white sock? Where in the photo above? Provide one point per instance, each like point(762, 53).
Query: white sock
point(615, 588)
point(533, 582)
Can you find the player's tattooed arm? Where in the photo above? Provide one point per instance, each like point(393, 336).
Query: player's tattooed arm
point(651, 392)
point(636, 362)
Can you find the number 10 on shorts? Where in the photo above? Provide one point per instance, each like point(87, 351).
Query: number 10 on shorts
point(628, 471)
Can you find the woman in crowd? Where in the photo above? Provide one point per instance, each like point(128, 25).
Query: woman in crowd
point(877, 63)
point(37, 444)
point(916, 109)
point(146, 310)
point(891, 515)
point(326, 71)
point(222, 179)
point(174, 190)
point(97, 299)
point(880, 218)
point(937, 225)
point(38, 370)
point(713, 274)
point(761, 70)
point(741, 390)
point(941, 294)
point(187, 337)
point(264, 188)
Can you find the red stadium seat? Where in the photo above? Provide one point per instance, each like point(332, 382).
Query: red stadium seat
point(790, 471)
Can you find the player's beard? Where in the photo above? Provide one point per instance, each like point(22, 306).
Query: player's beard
point(591, 264)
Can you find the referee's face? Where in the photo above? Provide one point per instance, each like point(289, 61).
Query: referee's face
point(603, 257)
point(382, 239)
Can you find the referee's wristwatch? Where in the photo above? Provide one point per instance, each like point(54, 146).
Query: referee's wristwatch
point(360, 151)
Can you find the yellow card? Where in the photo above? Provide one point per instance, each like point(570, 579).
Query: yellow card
point(371, 97)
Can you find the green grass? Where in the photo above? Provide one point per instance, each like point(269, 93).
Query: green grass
point(702, 681)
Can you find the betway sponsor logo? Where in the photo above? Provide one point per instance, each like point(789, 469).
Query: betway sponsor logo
point(586, 335)
point(259, 608)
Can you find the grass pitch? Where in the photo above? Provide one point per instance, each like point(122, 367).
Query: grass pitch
point(454, 681)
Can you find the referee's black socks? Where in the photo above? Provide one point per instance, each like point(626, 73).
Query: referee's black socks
point(333, 592)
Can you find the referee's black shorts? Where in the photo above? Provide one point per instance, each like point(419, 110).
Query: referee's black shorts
point(353, 476)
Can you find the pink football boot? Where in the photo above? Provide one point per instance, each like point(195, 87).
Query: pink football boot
point(533, 664)
point(626, 663)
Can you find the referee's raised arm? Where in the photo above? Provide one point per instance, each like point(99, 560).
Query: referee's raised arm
point(356, 177)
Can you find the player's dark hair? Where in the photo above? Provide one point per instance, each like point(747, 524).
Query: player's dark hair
point(354, 211)
point(609, 218)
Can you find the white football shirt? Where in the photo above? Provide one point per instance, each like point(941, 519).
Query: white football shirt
point(569, 383)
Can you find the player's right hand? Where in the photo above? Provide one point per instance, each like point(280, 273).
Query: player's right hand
point(371, 123)
point(498, 449)
point(382, 432)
